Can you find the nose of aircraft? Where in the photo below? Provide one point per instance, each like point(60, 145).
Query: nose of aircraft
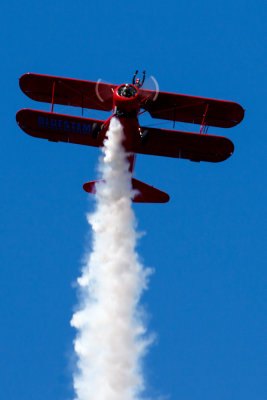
point(127, 91)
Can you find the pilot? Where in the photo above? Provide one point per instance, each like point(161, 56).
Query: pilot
point(137, 82)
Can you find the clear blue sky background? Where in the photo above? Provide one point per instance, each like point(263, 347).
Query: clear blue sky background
point(207, 297)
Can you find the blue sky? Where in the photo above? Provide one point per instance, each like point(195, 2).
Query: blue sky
point(207, 298)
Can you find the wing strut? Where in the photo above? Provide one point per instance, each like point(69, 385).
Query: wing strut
point(53, 94)
point(204, 127)
point(174, 116)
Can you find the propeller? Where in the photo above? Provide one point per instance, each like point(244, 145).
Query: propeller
point(104, 90)
point(151, 84)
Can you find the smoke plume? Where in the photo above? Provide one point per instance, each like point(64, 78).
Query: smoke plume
point(110, 341)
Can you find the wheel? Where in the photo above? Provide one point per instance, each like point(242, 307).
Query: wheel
point(144, 137)
point(95, 130)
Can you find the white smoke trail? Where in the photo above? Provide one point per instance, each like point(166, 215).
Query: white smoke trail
point(110, 342)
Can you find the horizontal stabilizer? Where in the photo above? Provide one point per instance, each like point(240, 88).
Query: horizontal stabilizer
point(148, 194)
point(144, 193)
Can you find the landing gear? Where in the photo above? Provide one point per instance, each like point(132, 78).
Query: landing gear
point(144, 136)
point(96, 128)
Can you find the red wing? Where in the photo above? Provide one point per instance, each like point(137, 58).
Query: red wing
point(191, 146)
point(177, 107)
point(70, 92)
point(59, 128)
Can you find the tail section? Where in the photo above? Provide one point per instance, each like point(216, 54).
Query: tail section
point(145, 193)
point(148, 194)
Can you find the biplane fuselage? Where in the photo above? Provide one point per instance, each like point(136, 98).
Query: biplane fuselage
point(126, 107)
point(127, 102)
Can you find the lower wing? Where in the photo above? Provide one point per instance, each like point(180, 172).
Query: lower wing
point(191, 146)
point(61, 128)
point(159, 142)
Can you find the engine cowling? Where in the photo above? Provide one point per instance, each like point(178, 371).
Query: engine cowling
point(126, 100)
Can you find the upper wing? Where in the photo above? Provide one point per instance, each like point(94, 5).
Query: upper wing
point(191, 146)
point(178, 107)
point(67, 91)
point(60, 128)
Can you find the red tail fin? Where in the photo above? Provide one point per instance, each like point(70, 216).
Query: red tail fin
point(145, 193)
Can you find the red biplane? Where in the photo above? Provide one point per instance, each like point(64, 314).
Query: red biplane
point(128, 101)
